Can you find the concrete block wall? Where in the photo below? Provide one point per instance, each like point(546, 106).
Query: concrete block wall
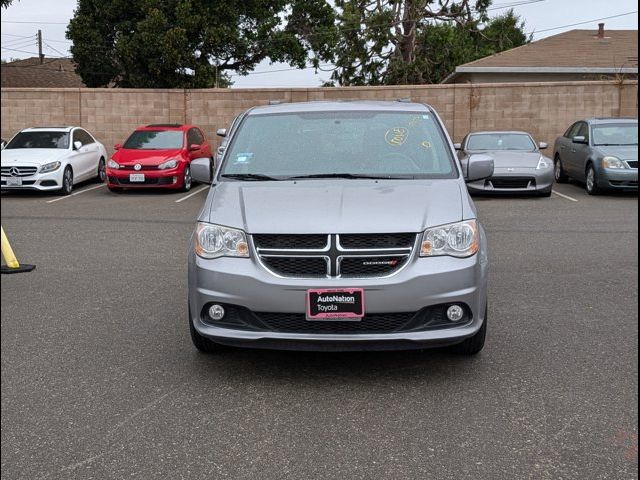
point(543, 109)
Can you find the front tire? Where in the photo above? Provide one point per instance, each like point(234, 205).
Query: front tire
point(558, 171)
point(102, 171)
point(473, 345)
point(187, 181)
point(545, 193)
point(592, 181)
point(67, 182)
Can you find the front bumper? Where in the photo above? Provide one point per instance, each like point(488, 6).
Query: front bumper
point(619, 179)
point(424, 282)
point(519, 180)
point(170, 178)
point(39, 181)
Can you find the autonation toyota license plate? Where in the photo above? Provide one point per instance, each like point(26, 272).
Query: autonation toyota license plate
point(335, 304)
point(136, 177)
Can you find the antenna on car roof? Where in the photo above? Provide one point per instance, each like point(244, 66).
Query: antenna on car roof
point(404, 100)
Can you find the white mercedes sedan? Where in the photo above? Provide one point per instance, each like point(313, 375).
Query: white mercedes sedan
point(52, 159)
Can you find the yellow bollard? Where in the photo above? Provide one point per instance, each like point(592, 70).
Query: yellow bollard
point(13, 266)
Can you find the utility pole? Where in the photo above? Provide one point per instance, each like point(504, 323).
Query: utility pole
point(40, 55)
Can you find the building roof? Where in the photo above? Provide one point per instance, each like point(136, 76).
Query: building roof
point(29, 72)
point(575, 51)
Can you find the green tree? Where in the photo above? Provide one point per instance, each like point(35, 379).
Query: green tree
point(387, 42)
point(194, 43)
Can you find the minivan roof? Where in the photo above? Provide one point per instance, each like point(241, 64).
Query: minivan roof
point(340, 106)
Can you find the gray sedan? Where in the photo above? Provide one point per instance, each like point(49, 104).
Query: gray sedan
point(601, 152)
point(519, 165)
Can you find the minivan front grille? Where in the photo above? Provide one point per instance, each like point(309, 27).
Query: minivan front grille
point(333, 256)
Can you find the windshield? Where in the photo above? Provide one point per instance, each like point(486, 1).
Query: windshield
point(155, 140)
point(348, 143)
point(500, 141)
point(616, 134)
point(39, 140)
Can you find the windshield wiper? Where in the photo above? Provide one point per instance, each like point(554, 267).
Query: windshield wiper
point(249, 176)
point(347, 175)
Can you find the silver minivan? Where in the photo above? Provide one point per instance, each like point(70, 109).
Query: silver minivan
point(339, 226)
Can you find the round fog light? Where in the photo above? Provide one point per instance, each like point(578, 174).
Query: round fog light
point(216, 312)
point(455, 313)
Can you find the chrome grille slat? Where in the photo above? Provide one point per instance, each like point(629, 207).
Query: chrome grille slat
point(381, 255)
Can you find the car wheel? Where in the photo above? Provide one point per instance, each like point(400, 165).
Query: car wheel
point(102, 171)
point(592, 181)
point(67, 182)
point(203, 344)
point(473, 345)
point(186, 179)
point(545, 193)
point(558, 171)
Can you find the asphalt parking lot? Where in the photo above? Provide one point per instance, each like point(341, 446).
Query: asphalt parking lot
point(100, 379)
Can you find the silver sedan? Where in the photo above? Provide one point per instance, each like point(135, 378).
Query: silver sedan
point(519, 165)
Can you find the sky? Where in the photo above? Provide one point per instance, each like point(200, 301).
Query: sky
point(23, 18)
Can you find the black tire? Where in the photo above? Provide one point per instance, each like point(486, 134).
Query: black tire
point(187, 181)
point(67, 182)
point(591, 184)
point(545, 193)
point(203, 344)
point(102, 171)
point(558, 171)
point(473, 345)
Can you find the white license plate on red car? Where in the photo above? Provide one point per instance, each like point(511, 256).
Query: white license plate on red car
point(136, 177)
point(335, 304)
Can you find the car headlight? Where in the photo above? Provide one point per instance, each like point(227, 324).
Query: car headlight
point(612, 162)
point(173, 163)
point(50, 167)
point(213, 241)
point(113, 164)
point(459, 239)
point(543, 163)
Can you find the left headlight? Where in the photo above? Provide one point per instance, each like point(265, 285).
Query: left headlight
point(543, 163)
point(213, 241)
point(50, 167)
point(613, 162)
point(459, 239)
point(173, 163)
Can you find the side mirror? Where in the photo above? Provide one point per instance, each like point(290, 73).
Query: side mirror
point(579, 139)
point(479, 167)
point(77, 145)
point(201, 170)
point(221, 132)
point(3, 143)
point(543, 145)
point(117, 146)
point(193, 147)
point(457, 146)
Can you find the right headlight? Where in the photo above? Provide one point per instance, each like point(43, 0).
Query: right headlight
point(50, 167)
point(613, 162)
point(213, 241)
point(459, 239)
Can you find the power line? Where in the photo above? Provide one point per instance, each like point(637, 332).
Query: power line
point(586, 21)
point(34, 23)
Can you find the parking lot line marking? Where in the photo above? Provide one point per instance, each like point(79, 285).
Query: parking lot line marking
point(564, 196)
point(76, 193)
point(192, 194)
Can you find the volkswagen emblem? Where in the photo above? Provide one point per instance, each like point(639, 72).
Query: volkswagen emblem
point(14, 172)
point(137, 166)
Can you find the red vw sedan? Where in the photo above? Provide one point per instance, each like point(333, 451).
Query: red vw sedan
point(159, 156)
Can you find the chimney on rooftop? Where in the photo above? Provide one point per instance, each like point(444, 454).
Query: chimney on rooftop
point(601, 31)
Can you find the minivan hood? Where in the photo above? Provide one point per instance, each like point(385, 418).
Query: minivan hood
point(338, 206)
point(32, 156)
point(145, 157)
point(623, 152)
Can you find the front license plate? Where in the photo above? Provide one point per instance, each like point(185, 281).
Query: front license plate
point(335, 304)
point(136, 177)
point(14, 182)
